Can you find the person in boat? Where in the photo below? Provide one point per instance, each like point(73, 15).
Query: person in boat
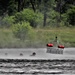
point(56, 42)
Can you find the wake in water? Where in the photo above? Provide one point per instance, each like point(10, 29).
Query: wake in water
point(21, 66)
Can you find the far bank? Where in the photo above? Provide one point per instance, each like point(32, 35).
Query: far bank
point(38, 38)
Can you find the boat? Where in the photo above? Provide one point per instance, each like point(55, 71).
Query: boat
point(55, 50)
point(58, 49)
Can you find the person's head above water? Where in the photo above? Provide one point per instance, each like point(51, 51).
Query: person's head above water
point(56, 37)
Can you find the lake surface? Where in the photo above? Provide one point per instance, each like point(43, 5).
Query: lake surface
point(20, 62)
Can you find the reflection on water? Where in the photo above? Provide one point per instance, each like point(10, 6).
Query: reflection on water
point(36, 67)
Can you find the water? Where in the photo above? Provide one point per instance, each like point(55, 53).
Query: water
point(36, 67)
point(12, 63)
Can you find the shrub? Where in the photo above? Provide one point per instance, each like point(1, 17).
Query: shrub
point(28, 15)
point(21, 30)
point(53, 18)
point(7, 21)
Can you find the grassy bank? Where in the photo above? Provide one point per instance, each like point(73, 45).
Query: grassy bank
point(40, 38)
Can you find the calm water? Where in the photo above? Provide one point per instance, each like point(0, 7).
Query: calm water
point(36, 67)
point(12, 63)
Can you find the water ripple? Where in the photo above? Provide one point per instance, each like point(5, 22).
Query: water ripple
point(21, 66)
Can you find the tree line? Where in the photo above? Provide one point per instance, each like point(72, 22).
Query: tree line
point(60, 11)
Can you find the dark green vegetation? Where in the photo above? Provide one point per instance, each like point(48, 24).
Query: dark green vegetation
point(33, 23)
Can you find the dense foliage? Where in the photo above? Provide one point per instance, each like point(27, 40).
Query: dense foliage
point(45, 7)
point(28, 15)
point(23, 15)
point(21, 30)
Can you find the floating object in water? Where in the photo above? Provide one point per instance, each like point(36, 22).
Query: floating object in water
point(33, 54)
point(61, 46)
point(50, 45)
point(55, 50)
point(6, 53)
point(21, 54)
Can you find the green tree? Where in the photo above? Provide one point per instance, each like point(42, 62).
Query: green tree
point(21, 30)
point(3, 6)
point(12, 8)
point(45, 7)
point(7, 21)
point(27, 15)
point(71, 15)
